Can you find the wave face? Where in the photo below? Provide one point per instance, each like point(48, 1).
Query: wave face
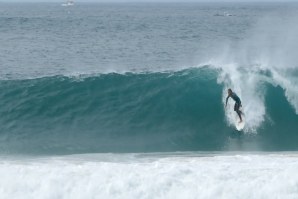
point(149, 112)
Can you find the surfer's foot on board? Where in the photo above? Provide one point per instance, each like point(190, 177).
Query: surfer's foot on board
point(240, 121)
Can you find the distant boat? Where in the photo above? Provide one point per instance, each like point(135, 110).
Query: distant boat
point(68, 3)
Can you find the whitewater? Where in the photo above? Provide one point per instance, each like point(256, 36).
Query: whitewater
point(170, 175)
point(127, 100)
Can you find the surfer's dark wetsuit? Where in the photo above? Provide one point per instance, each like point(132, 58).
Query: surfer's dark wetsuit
point(237, 103)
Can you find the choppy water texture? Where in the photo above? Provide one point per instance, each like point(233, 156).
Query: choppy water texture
point(147, 77)
point(178, 175)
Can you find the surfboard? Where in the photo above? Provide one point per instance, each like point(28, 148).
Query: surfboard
point(239, 126)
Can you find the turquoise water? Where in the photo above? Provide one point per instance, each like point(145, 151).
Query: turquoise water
point(147, 77)
point(150, 112)
point(127, 100)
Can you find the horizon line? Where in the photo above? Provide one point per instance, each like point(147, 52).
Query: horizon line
point(156, 1)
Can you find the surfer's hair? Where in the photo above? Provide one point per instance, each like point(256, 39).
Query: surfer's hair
point(230, 90)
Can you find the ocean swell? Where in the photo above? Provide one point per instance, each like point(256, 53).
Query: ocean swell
point(169, 111)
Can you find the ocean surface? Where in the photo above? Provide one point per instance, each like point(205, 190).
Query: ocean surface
point(126, 100)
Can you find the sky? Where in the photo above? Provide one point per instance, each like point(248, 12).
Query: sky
point(150, 0)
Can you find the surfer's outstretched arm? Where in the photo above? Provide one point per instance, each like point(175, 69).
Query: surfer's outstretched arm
point(227, 100)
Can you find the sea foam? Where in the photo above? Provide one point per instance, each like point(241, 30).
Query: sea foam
point(176, 175)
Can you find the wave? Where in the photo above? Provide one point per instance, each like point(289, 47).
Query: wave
point(164, 111)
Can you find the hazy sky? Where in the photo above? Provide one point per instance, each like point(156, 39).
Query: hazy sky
point(150, 0)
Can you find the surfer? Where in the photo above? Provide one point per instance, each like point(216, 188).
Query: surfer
point(237, 102)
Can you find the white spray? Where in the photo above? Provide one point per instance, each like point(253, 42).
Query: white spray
point(269, 54)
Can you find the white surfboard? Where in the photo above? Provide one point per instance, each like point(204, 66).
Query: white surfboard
point(239, 125)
